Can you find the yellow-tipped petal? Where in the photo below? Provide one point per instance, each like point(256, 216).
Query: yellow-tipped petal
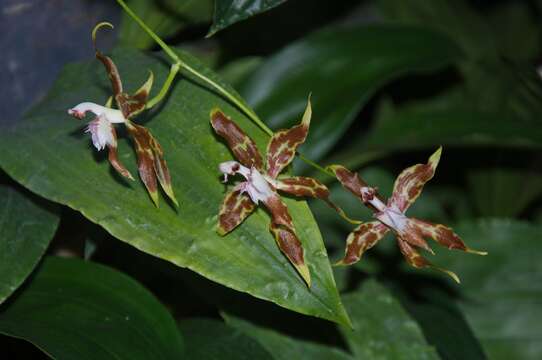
point(448, 272)
point(304, 271)
point(477, 252)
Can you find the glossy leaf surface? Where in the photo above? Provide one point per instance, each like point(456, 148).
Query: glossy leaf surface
point(48, 153)
point(228, 12)
point(342, 68)
point(73, 309)
point(382, 328)
point(27, 226)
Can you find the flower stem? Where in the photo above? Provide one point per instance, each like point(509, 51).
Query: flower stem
point(178, 64)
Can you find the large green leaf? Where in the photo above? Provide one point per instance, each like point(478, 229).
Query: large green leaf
point(73, 309)
point(421, 127)
point(418, 128)
point(228, 12)
point(27, 225)
point(453, 17)
point(284, 347)
point(500, 293)
point(382, 328)
point(48, 152)
point(165, 17)
point(342, 68)
point(208, 339)
point(490, 189)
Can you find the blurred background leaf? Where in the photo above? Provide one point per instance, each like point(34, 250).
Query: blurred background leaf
point(342, 68)
point(228, 12)
point(27, 225)
point(165, 17)
point(73, 309)
point(209, 339)
point(500, 292)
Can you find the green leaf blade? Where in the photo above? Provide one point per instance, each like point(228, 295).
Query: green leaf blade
point(382, 328)
point(57, 162)
point(27, 226)
point(342, 68)
point(79, 310)
point(228, 12)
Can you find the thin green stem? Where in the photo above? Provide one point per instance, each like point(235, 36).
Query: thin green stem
point(178, 63)
point(165, 88)
point(248, 112)
point(151, 33)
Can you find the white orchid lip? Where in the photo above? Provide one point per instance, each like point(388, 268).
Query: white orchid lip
point(102, 133)
point(390, 216)
point(112, 115)
point(256, 185)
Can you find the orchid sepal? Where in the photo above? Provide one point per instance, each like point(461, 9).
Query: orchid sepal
point(410, 232)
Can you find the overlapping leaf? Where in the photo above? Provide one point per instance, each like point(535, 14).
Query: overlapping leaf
point(209, 339)
point(27, 225)
point(500, 293)
point(342, 67)
point(73, 309)
point(228, 12)
point(283, 347)
point(47, 153)
point(382, 328)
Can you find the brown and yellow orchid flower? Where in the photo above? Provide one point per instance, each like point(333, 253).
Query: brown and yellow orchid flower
point(390, 215)
point(150, 156)
point(262, 183)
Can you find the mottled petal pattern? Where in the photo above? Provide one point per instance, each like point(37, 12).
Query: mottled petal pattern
point(418, 261)
point(353, 183)
point(132, 105)
point(283, 144)
point(291, 247)
point(151, 163)
point(117, 165)
point(110, 67)
point(409, 184)
point(234, 210)
point(444, 235)
point(279, 211)
point(241, 145)
point(364, 237)
point(302, 186)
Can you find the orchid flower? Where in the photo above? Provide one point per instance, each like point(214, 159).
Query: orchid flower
point(150, 156)
point(262, 183)
point(390, 215)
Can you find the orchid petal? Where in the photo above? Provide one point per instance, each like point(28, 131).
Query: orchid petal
point(132, 105)
point(444, 235)
point(117, 165)
point(410, 182)
point(353, 183)
point(364, 237)
point(110, 67)
point(309, 187)
point(418, 261)
point(234, 210)
point(151, 163)
point(292, 248)
point(279, 211)
point(283, 144)
point(242, 146)
point(302, 186)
